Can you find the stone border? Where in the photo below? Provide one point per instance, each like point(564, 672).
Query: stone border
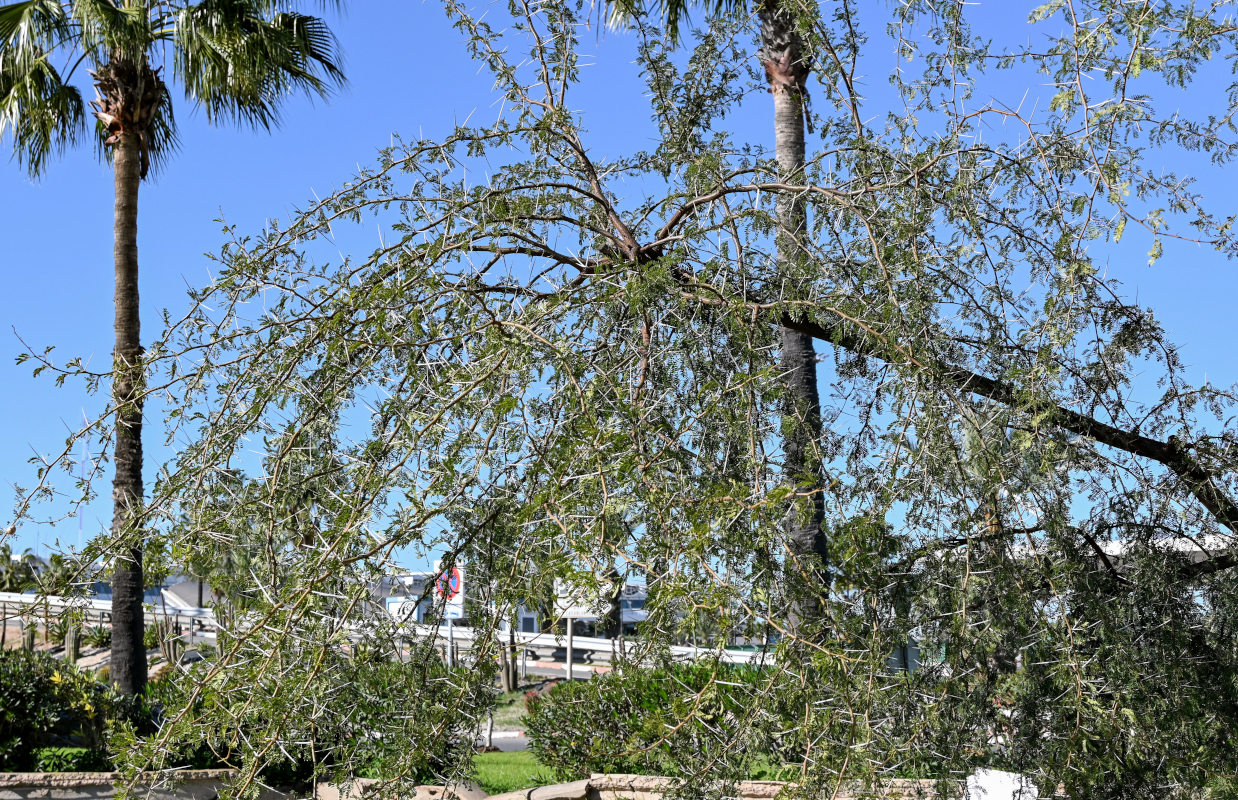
point(65, 779)
point(196, 784)
point(186, 784)
point(646, 787)
point(205, 785)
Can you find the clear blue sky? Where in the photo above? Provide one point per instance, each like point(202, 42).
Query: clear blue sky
point(408, 72)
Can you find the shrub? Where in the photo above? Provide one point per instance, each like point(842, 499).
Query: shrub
point(98, 636)
point(57, 630)
point(670, 721)
point(360, 737)
point(531, 696)
point(43, 703)
point(376, 745)
point(70, 759)
point(150, 637)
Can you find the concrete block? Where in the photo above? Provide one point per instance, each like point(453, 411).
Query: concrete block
point(466, 791)
point(372, 789)
point(577, 790)
point(996, 784)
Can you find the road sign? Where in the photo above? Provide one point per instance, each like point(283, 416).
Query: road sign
point(573, 601)
point(402, 609)
point(450, 587)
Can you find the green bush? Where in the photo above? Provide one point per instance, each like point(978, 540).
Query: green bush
point(360, 737)
point(44, 703)
point(671, 721)
point(150, 637)
point(57, 630)
point(376, 743)
point(98, 636)
point(70, 759)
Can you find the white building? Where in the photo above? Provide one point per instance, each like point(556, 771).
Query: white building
point(406, 597)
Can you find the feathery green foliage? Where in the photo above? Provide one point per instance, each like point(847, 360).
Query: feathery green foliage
point(560, 363)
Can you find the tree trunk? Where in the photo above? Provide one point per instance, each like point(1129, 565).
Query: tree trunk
point(612, 622)
point(128, 670)
point(505, 672)
point(782, 57)
point(512, 656)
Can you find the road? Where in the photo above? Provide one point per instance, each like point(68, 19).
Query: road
point(508, 744)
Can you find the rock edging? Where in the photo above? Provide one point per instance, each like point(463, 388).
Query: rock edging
point(646, 787)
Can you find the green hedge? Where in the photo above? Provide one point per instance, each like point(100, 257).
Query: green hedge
point(366, 733)
point(70, 759)
point(674, 721)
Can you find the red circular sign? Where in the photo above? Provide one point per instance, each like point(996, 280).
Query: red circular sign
point(449, 583)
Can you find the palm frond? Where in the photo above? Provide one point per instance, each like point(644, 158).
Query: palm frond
point(33, 24)
point(45, 114)
point(276, 6)
point(673, 14)
point(34, 29)
point(238, 58)
point(42, 111)
point(162, 140)
point(238, 61)
point(116, 29)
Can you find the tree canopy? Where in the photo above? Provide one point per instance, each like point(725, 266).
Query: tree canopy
point(559, 362)
point(237, 60)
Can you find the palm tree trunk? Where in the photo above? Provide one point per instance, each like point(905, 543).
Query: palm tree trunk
point(128, 668)
point(781, 54)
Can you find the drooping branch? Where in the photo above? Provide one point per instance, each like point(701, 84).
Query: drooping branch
point(1198, 480)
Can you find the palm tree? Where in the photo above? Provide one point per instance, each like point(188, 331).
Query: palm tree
point(782, 54)
point(787, 70)
point(234, 58)
point(16, 575)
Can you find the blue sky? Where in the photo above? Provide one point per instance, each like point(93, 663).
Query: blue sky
point(408, 72)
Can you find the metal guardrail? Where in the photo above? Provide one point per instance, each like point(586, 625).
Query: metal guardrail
point(55, 605)
point(561, 641)
point(450, 635)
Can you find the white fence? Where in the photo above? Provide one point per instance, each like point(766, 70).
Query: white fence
point(19, 606)
point(560, 641)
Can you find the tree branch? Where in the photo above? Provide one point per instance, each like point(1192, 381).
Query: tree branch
point(1199, 481)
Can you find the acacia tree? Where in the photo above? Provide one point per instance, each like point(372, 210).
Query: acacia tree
point(588, 347)
point(234, 59)
point(787, 66)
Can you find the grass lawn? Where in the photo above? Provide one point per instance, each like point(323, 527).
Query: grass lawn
point(507, 772)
